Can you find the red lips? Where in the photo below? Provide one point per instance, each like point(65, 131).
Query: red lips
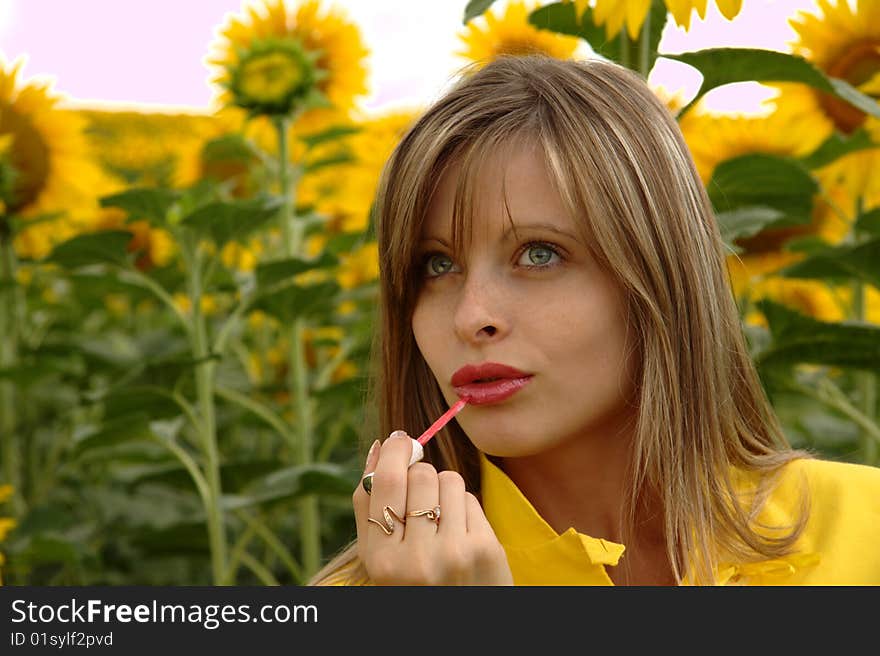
point(471, 373)
point(498, 382)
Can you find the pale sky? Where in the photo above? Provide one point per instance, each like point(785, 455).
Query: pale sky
point(148, 53)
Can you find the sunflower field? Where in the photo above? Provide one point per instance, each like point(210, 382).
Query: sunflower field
point(186, 301)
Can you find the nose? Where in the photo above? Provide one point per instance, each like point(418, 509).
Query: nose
point(480, 312)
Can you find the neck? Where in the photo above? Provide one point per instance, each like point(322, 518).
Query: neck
point(582, 483)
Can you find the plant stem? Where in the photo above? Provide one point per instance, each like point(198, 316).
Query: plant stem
point(644, 46)
point(624, 47)
point(297, 378)
point(10, 448)
point(208, 424)
point(274, 543)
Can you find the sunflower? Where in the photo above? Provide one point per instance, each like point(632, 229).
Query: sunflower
point(775, 130)
point(844, 42)
point(272, 58)
point(44, 165)
point(614, 13)
point(491, 35)
point(713, 139)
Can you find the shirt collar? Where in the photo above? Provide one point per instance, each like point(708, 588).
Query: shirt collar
point(537, 554)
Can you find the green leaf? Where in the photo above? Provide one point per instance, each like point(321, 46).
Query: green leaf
point(92, 287)
point(345, 242)
point(128, 428)
point(721, 66)
point(106, 247)
point(150, 203)
point(330, 160)
point(836, 146)
point(869, 222)
point(746, 221)
point(798, 338)
point(188, 538)
point(475, 8)
point(759, 180)
point(292, 482)
point(810, 244)
point(228, 221)
point(330, 134)
point(270, 273)
point(293, 301)
point(233, 476)
point(45, 518)
point(35, 370)
point(861, 262)
point(229, 147)
point(50, 549)
point(153, 401)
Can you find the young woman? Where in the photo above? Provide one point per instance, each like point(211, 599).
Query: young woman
point(543, 224)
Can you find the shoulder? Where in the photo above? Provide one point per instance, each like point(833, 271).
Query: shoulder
point(833, 483)
point(842, 502)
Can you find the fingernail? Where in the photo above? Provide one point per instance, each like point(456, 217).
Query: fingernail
point(418, 452)
point(398, 433)
point(371, 456)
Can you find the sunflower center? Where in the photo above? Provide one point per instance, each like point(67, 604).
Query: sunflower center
point(28, 158)
point(858, 64)
point(270, 76)
point(273, 77)
point(518, 47)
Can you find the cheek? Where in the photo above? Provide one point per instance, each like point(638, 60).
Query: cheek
point(589, 339)
point(426, 328)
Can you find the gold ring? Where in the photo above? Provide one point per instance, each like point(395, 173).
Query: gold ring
point(431, 513)
point(388, 524)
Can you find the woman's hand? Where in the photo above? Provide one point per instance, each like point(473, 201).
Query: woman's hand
point(459, 549)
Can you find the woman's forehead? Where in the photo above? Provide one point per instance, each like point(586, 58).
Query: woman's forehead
point(509, 186)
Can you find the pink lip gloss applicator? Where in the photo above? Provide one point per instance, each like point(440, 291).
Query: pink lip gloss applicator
point(418, 451)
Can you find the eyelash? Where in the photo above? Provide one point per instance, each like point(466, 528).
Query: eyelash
point(426, 258)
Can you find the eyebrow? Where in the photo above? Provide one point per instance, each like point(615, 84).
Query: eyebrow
point(527, 226)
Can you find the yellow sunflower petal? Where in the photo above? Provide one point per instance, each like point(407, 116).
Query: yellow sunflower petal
point(729, 8)
point(49, 154)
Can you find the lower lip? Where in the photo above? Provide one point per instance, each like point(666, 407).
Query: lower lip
point(495, 392)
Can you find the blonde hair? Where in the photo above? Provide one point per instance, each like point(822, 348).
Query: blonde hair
point(618, 160)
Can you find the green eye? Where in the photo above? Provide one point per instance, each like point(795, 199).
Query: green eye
point(544, 254)
point(433, 258)
point(540, 255)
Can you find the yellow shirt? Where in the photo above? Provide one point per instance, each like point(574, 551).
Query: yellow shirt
point(840, 544)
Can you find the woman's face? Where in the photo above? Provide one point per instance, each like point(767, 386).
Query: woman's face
point(539, 303)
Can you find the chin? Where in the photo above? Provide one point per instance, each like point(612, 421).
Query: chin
point(495, 441)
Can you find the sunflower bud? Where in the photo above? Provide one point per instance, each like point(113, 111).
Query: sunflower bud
point(275, 77)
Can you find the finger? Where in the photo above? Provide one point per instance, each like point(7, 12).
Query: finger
point(422, 494)
point(360, 499)
point(477, 524)
point(453, 511)
point(389, 487)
